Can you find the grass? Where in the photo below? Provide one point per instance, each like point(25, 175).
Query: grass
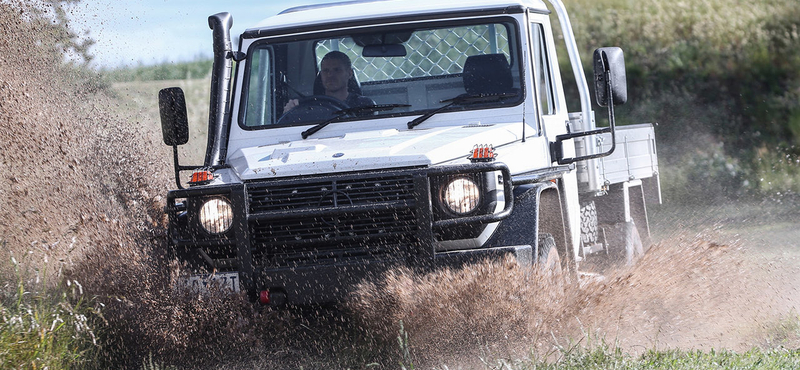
point(141, 97)
point(197, 69)
point(605, 357)
point(45, 327)
point(150, 364)
point(602, 356)
point(778, 170)
point(713, 70)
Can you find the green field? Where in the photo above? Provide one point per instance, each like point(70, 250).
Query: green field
point(142, 98)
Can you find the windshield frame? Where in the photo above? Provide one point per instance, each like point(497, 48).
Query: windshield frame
point(515, 50)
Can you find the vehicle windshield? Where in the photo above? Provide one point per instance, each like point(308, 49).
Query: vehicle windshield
point(380, 72)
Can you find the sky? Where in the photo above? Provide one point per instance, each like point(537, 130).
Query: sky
point(133, 32)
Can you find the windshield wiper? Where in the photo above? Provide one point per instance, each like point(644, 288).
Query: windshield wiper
point(371, 108)
point(349, 112)
point(462, 99)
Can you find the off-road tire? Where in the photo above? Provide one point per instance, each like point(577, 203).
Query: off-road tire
point(589, 224)
point(624, 243)
point(634, 250)
point(548, 258)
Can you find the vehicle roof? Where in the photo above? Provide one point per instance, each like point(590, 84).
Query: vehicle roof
point(362, 10)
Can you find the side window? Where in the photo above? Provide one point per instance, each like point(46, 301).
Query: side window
point(542, 73)
point(259, 109)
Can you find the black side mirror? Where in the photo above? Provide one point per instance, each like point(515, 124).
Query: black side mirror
point(174, 124)
point(609, 64)
point(610, 83)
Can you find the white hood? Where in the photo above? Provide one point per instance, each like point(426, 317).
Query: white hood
point(369, 150)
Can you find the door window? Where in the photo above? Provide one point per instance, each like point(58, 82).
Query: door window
point(542, 72)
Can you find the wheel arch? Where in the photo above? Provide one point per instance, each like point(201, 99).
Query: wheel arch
point(538, 209)
point(552, 221)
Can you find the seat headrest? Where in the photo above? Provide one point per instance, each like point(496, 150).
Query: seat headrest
point(487, 74)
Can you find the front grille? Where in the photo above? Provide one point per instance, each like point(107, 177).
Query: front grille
point(377, 219)
point(330, 192)
point(373, 224)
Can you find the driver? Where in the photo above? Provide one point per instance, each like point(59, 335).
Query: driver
point(336, 71)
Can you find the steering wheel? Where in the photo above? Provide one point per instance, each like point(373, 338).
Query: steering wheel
point(313, 108)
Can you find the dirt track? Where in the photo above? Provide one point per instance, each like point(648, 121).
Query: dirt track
point(84, 172)
point(728, 292)
point(696, 289)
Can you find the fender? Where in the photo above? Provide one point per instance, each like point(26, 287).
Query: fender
point(537, 209)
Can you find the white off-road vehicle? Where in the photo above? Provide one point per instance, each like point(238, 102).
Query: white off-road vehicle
point(456, 146)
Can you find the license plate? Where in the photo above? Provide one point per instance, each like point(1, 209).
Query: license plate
point(225, 280)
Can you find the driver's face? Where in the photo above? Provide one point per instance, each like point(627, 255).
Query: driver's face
point(334, 75)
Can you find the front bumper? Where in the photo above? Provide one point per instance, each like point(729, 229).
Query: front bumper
point(314, 238)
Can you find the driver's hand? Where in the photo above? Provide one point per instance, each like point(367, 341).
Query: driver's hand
point(290, 104)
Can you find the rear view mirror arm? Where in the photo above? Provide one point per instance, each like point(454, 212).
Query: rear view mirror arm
point(557, 147)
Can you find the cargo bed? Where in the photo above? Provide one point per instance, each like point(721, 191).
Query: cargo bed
point(634, 158)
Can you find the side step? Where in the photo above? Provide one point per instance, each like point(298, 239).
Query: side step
point(593, 248)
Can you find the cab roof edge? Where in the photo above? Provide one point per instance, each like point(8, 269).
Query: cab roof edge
point(327, 5)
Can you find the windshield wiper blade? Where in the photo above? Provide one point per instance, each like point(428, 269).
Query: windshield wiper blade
point(305, 134)
point(371, 108)
point(462, 99)
point(350, 111)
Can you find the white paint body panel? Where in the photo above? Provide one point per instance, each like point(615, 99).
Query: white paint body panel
point(445, 138)
point(369, 11)
point(369, 150)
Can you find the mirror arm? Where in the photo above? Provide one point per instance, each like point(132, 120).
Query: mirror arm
point(611, 117)
point(177, 166)
point(557, 147)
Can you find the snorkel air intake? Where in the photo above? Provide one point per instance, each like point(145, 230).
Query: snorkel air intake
point(218, 114)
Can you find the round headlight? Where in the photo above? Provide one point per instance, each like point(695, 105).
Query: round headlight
point(462, 196)
point(216, 216)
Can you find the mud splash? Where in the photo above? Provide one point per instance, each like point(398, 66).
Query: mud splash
point(73, 170)
point(688, 292)
point(81, 197)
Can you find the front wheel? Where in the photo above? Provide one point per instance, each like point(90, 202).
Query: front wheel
point(547, 255)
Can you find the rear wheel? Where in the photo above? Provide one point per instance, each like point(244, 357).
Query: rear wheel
point(589, 224)
point(633, 244)
point(624, 243)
